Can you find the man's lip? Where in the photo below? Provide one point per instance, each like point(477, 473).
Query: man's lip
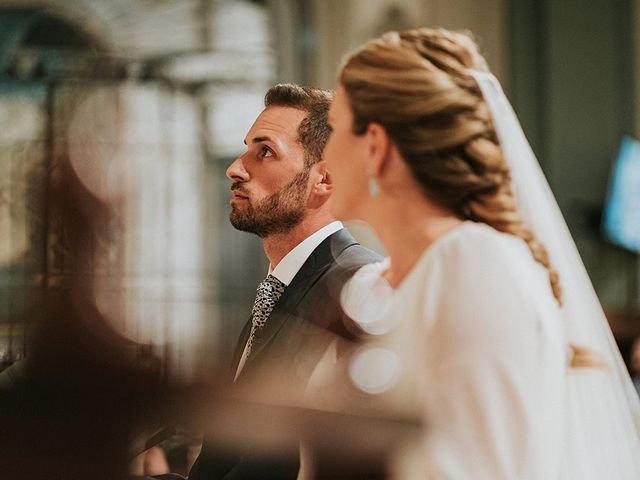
point(238, 195)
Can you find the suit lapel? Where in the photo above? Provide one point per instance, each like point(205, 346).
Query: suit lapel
point(313, 268)
point(240, 345)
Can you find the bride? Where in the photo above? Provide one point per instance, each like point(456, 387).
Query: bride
point(518, 372)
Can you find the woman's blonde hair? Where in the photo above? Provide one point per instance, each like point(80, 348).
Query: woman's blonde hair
point(417, 84)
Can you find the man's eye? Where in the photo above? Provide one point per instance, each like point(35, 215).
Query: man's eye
point(265, 152)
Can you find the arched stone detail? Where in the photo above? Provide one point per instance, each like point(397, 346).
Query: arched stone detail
point(82, 14)
point(131, 29)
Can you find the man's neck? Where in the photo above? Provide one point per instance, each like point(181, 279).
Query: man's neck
point(277, 246)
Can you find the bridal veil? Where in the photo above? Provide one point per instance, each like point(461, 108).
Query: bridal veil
point(602, 429)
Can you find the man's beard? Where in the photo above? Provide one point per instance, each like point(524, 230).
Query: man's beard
point(278, 213)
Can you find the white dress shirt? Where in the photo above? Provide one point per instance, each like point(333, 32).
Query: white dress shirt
point(293, 261)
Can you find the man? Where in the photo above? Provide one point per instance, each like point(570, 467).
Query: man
point(280, 192)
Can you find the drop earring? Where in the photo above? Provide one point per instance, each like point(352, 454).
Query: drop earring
point(374, 189)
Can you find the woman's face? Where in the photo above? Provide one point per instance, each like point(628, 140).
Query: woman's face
point(345, 154)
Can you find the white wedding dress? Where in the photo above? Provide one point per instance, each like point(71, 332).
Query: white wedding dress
point(482, 352)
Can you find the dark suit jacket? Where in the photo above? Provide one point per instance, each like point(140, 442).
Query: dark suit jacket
point(289, 347)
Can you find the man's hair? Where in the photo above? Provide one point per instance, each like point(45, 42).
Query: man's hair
point(313, 131)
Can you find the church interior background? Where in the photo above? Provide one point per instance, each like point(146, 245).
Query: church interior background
point(149, 101)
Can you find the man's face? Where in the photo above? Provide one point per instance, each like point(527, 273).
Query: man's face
point(270, 181)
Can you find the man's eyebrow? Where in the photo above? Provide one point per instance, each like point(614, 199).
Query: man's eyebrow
point(260, 139)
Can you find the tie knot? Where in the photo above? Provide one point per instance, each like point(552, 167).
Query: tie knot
point(271, 287)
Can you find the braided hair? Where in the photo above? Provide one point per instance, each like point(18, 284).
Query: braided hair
point(418, 86)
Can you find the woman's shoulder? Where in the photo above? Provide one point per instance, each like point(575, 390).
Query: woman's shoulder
point(480, 261)
point(469, 247)
point(474, 243)
point(476, 258)
point(478, 233)
point(470, 254)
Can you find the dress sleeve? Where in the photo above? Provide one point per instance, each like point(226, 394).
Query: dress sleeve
point(486, 362)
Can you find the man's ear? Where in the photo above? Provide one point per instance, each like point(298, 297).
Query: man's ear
point(322, 184)
point(379, 145)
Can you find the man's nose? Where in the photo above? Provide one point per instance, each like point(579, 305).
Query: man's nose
point(237, 172)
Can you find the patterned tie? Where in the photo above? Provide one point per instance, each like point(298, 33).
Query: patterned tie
point(269, 292)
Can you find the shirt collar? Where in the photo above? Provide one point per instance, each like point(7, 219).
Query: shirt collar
point(293, 261)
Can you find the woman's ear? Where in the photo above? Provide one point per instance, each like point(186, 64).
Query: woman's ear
point(378, 148)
